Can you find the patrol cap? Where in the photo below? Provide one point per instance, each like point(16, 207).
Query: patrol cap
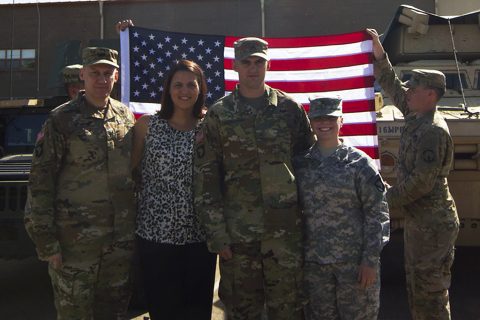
point(325, 106)
point(428, 78)
point(71, 74)
point(251, 46)
point(98, 55)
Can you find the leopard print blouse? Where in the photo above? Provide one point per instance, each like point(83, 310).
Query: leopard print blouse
point(165, 198)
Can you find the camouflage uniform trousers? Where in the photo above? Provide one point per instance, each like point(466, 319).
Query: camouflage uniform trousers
point(429, 256)
point(333, 292)
point(263, 273)
point(88, 287)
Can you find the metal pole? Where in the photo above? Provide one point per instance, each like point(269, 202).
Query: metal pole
point(11, 50)
point(262, 9)
point(38, 49)
point(100, 8)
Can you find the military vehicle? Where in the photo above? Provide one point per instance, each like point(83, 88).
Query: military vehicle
point(416, 39)
point(20, 122)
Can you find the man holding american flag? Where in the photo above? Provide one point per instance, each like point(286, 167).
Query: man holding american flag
point(245, 191)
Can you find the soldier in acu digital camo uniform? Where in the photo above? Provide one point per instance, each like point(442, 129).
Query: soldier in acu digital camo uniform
point(424, 161)
point(81, 209)
point(245, 191)
point(346, 222)
point(72, 81)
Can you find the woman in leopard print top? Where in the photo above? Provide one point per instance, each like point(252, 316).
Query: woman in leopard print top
point(177, 268)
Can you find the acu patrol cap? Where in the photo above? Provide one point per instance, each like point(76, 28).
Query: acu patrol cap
point(71, 74)
point(251, 46)
point(427, 78)
point(99, 55)
point(325, 106)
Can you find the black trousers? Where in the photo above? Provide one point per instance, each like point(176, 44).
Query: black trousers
point(178, 280)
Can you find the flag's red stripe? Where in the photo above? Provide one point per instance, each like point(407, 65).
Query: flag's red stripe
point(359, 129)
point(314, 63)
point(309, 41)
point(353, 106)
point(371, 151)
point(315, 86)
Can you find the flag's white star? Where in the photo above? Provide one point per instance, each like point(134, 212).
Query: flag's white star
point(159, 60)
point(168, 54)
point(136, 63)
point(159, 45)
point(136, 78)
point(200, 57)
point(175, 47)
point(216, 59)
point(136, 93)
point(201, 42)
point(191, 49)
point(144, 57)
point(167, 39)
point(209, 94)
point(184, 41)
point(184, 55)
point(135, 49)
point(152, 52)
point(208, 51)
point(209, 80)
point(151, 36)
point(160, 74)
point(217, 73)
point(153, 80)
point(145, 71)
point(152, 65)
point(135, 34)
point(145, 86)
point(208, 65)
point(144, 43)
point(217, 88)
point(153, 94)
point(217, 43)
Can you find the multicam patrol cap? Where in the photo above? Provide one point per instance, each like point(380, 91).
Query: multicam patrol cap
point(71, 74)
point(251, 46)
point(428, 78)
point(98, 55)
point(325, 106)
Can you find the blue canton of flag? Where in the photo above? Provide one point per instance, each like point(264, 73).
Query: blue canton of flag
point(153, 53)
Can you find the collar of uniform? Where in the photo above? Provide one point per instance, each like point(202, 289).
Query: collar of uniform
point(271, 95)
point(92, 111)
point(314, 153)
point(415, 122)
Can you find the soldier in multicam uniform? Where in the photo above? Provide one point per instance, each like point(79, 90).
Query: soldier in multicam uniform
point(81, 209)
point(346, 222)
point(245, 191)
point(72, 81)
point(424, 161)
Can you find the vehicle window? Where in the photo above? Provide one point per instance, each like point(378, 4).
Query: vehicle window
point(22, 130)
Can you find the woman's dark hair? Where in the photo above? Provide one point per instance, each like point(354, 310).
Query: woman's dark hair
point(166, 111)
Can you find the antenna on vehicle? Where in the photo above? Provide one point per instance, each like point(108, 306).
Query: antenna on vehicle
point(465, 106)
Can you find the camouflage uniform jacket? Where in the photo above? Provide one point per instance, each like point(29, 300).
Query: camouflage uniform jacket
point(424, 160)
point(80, 187)
point(244, 186)
point(344, 207)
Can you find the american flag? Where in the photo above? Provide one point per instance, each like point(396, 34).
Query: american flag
point(339, 65)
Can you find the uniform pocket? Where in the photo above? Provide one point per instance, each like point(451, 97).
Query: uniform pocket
point(278, 184)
